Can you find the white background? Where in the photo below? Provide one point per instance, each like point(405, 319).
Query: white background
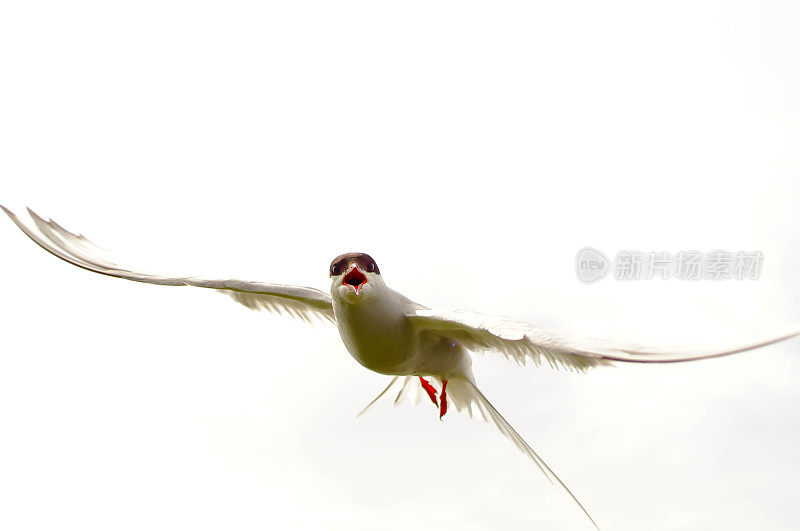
point(472, 148)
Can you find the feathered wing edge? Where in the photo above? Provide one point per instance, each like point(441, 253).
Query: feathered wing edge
point(466, 397)
point(300, 302)
point(279, 305)
point(522, 342)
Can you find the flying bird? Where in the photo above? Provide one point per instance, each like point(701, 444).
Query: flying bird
point(425, 351)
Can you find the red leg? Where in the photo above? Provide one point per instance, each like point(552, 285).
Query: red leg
point(429, 389)
point(443, 400)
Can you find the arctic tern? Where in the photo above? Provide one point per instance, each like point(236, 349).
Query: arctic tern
point(389, 334)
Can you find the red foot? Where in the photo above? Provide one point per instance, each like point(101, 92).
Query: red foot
point(443, 400)
point(429, 389)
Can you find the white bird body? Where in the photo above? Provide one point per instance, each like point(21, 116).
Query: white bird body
point(389, 334)
point(376, 330)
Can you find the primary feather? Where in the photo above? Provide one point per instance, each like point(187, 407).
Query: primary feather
point(300, 302)
point(522, 342)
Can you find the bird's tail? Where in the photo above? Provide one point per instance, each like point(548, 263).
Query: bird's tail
point(465, 396)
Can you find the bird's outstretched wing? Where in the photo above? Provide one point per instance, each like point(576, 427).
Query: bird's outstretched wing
point(521, 342)
point(303, 303)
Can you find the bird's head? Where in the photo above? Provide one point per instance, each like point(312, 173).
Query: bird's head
point(354, 277)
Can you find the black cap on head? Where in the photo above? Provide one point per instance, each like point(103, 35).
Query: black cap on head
point(342, 263)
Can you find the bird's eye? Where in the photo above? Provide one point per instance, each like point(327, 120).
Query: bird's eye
point(371, 267)
point(334, 270)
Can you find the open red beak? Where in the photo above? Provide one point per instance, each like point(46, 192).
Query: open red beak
point(355, 278)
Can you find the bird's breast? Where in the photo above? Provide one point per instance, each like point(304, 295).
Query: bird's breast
point(377, 334)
